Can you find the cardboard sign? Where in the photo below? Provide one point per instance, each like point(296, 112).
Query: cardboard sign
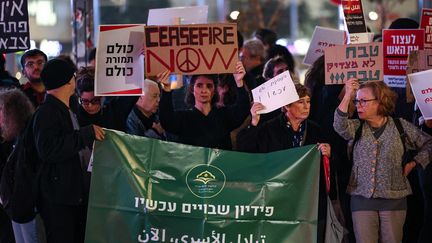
point(362, 61)
point(321, 39)
point(418, 61)
point(426, 24)
point(180, 15)
point(14, 27)
point(398, 44)
point(354, 18)
point(191, 49)
point(119, 60)
point(275, 93)
point(422, 88)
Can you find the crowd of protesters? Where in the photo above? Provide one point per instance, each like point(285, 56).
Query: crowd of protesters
point(356, 126)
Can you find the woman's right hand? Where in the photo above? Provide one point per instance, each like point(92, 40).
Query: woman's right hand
point(351, 86)
point(254, 109)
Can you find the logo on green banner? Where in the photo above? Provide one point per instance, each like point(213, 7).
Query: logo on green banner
point(205, 181)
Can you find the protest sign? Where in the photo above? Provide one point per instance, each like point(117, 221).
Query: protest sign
point(418, 61)
point(322, 38)
point(119, 60)
point(354, 17)
point(361, 61)
point(426, 24)
point(148, 190)
point(360, 38)
point(275, 93)
point(398, 44)
point(421, 84)
point(185, 15)
point(14, 27)
point(191, 49)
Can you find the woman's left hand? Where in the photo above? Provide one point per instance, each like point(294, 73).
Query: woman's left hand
point(239, 74)
point(409, 167)
point(325, 149)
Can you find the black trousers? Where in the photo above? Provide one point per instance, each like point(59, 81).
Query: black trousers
point(63, 223)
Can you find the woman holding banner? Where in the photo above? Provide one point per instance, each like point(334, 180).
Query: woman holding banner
point(205, 124)
point(288, 130)
point(380, 147)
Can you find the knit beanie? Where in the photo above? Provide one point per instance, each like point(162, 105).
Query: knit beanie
point(56, 73)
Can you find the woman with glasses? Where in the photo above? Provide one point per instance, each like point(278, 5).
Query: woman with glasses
point(93, 109)
point(378, 185)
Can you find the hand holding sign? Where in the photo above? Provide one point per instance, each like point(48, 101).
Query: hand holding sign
point(239, 74)
point(163, 79)
point(254, 112)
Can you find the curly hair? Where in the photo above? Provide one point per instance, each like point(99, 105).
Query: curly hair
point(384, 95)
point(190, 98)
point(16, 109)
point(85, 79)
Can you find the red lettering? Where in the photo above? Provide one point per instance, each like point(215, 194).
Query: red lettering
point(217, 52)
point(169, 66)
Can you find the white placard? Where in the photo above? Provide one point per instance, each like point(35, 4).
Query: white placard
point(275, 93)
point(119, 60)
point(421, 86)
point(361, 38)
point(322, 38)
point(185, 15)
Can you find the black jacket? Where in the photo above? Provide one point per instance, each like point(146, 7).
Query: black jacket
point(60, 179)
point(274, 135)
point(112, 115)
point(194, 128)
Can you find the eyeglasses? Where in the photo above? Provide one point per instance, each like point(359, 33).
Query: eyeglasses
point(33, 64)
point(362, 102)
point(94, 101)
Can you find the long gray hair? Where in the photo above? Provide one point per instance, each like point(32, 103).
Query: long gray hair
point(16, 109)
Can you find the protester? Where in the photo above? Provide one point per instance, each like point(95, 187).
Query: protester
point(204, 125)
point(93, 110)
point(143, 120)
point(91, 60)
point(324, 101)
point(425, 177)
point(378, 184)
point(288, 130)
point(267, 37)
point(59, 139)
point(282, 51)
point(15, 112)
point(32, 62)
point(252, 56)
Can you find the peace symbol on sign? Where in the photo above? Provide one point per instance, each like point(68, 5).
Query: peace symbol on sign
point(188, 60)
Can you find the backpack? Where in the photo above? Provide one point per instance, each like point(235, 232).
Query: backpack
point(18, 185)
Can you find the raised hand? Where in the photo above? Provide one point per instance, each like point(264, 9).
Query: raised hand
point(239, 74)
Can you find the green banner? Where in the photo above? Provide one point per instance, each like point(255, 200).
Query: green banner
point(147, 190)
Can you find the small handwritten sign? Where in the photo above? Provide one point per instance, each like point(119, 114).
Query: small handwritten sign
point(275, 93)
